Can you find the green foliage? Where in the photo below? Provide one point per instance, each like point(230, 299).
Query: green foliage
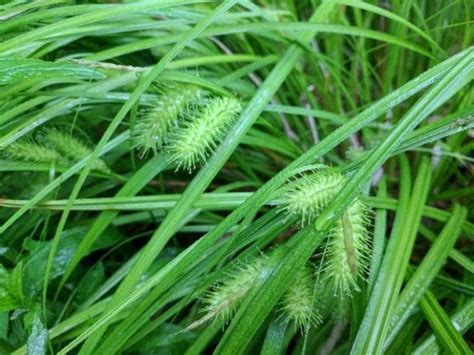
point(329, 209)
point(11, 288)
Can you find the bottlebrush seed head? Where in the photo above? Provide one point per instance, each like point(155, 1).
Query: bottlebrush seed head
point(155, 124)
point(225, 297)
point(306, 197)
point(346, 255)
point(200, 134)
point(70, 147)
point(32, 151)
point(297, 303)
point(348, 250)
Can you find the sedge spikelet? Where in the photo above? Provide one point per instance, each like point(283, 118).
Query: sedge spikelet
point(71, 147)
point(347, 249)
point(200, 134)
point(224, 298)
point(297, 303)
point(155, 124)
point(306, 197)
point(33, 152)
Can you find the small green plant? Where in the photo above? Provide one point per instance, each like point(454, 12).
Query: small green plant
point(302, 122)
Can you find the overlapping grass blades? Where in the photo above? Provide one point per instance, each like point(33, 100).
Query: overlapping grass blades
point(125, 245)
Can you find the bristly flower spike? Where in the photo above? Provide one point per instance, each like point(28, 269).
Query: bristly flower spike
point(70, 147)
point(200, 134)
point(347, 250)
point(297, 304)
point(33, 152)
point(306, 197)
point(155, 124)
point(224, 298)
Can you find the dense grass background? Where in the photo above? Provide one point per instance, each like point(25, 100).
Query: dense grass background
point(108, 250)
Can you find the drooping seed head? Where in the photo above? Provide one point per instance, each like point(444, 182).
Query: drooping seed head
point(33, 152)
point(70, 147)
point(347, 251)
point(297, 302)
point(155, 124)
point(200, 134)
point(306, 197)
point(225, 297)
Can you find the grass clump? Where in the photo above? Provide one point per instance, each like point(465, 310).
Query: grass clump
point(329, 209)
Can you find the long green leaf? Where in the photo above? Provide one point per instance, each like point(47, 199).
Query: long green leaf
point(374, 327)
point(426, 272)
point(448, 337)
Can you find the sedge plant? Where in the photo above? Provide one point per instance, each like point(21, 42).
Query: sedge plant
point(236, 177)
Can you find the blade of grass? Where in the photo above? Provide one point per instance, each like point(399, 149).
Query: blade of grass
point(454, 254)
point(463, 319)
point(448, 337)
point(373, 329)
point(275, 339)
point(426, 272)
point(378, 243)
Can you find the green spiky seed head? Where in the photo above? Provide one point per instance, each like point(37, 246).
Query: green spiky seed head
point(200, 134)
point(348, 250)
point(33, 152)
point(225, 297)
point(297, 303)
point(155, 124)
point(71, 147)
point(306, 197)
